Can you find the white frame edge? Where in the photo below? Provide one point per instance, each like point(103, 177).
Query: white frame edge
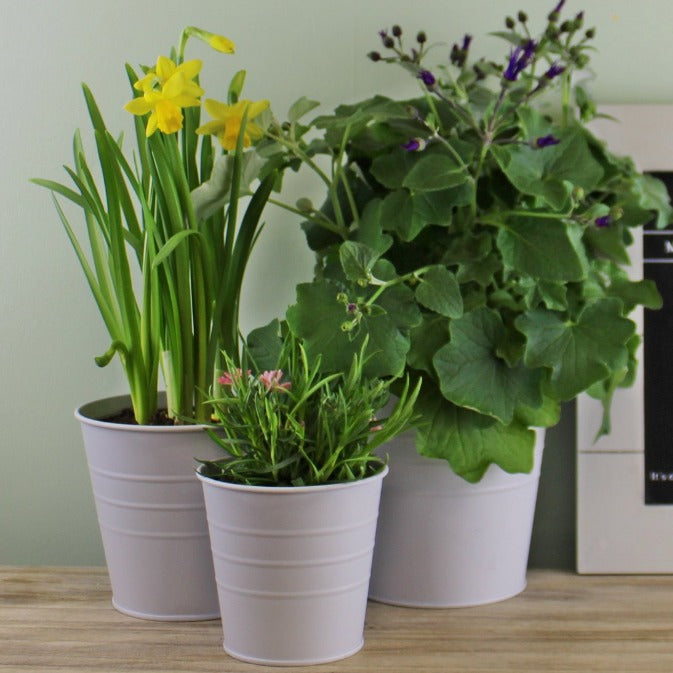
point(616, 531)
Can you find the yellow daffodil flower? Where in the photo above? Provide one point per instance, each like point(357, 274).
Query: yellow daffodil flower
point(165, 69)
point(228, 119)
point(165, 104)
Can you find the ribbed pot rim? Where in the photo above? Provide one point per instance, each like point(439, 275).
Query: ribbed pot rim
point(290, 490)
point(83, 415)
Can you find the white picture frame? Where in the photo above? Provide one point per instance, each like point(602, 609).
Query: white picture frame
point(616, 531)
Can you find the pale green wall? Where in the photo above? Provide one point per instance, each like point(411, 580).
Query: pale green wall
point(50, 330)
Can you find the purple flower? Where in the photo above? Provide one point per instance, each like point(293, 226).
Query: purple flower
point(602, 222)
point(554, 70)
point(546, 141)
point(466, 42)
point(427, 78)
point(351, 308)
point(518, 60)
point(559, 7)
point(414, 145)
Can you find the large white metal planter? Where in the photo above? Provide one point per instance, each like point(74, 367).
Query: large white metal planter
point(443, 542)
point(151, 514)
point(292, 568)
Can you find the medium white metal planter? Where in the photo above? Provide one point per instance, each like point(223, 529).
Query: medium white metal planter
point(151, 514)
point(443, 542)
point(292, 567)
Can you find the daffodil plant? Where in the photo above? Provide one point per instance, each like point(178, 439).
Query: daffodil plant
point(167, 248)
point(475, 236)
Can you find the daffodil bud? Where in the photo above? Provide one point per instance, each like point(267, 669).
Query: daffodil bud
point(215, 41)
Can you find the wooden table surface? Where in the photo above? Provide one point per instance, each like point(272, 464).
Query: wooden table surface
point(61, 619)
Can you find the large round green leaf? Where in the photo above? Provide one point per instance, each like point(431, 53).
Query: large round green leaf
point(472, 375)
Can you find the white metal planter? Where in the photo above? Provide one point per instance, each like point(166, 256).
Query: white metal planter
point(292, 568)
point(151, 514)
point(443, 542)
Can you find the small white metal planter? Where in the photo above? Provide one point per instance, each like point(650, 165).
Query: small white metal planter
point(151, 514)
point(292, 567)
point(443, 542)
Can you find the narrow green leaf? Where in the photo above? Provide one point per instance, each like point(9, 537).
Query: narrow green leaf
point(115, 347)
point(172, 243)
point(62, 190)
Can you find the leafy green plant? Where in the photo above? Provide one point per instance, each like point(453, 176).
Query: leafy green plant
point(169, 217)
point(296, 425)
point(476, 241)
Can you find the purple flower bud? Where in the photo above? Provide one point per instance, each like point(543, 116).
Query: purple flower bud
point(559, 7)
point(414, 145)
point(351, 308)
point(518, 60)
point(466, 42)
point(546, 141)
point(602, 222)
point(554, 70)
point(427, 78)
point(529, 50)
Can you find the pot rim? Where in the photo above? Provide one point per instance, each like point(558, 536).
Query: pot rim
point(116, 402)
point(289, 490)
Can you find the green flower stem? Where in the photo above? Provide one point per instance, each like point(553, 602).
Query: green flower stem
point(383, 286)
point(184, 36)
point(320, 219)
point(295, 149)
point(566, 88)
point(340, 174)
point(460, 112)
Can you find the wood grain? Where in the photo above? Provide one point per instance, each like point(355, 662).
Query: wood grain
point(61, 619)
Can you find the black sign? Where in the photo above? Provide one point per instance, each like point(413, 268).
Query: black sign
point(658, 357)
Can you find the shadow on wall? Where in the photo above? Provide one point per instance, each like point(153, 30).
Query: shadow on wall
point(553, 544)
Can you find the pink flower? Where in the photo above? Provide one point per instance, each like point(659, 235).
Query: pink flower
point(228, 379)
point(271, 380)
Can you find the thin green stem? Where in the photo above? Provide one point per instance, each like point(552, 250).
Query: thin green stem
point(382, 287)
